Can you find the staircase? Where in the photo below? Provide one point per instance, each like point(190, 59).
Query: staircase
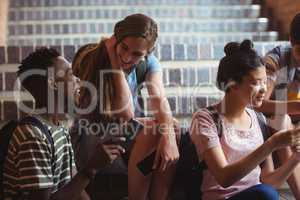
point(57, 22)
point(192, 34)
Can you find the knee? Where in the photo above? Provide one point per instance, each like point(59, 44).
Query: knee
point(267, 192)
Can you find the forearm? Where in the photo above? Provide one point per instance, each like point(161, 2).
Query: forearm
point(73, 190)
point(238, 170)
point(293, 107)
point(164, 117)
point(122, 102)
point(280, 107)
point(281, 174)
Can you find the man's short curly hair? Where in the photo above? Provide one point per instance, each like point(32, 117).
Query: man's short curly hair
point(41, 59)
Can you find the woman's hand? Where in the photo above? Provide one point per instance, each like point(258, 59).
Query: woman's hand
point(167, 153)
point(111, 48)
point(286, 138)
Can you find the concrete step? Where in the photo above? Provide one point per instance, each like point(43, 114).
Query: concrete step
point(18, 37)
point(165, 25)
point(180, 74)
point(184, 52)
point(186, 100)
point(46, 3)
point(183, 65)
point(215, 37)
point(189, 84)
point(115, 12)
point(164, 52)
point(182, 105)
point(193, 77)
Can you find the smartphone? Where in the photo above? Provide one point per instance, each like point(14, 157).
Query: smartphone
point(146, 166)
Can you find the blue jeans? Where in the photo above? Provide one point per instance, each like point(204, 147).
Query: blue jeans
point(257, 192)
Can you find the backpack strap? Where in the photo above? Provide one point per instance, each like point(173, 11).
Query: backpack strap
point(263, 125)
point(37, 123)
point(260, 118)
point(216, 118)
point(141, 71)
point(5, 136)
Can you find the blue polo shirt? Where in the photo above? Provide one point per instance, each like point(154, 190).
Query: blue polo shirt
point(153, 66)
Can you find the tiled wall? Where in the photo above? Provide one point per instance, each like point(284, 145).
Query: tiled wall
point(45, 22)
point(182, 103)
point(89, 12)
point(165, 25)
point(20, 3)
point(164, 52)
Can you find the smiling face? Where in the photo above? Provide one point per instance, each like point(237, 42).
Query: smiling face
point(65, 76)
point(131, 51)
point(253, 87)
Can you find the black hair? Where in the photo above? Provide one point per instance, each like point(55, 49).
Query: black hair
point(239, 60)
point(295, 30)
point(37, 85)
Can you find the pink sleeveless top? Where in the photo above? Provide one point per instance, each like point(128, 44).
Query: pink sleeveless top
point(235, 144)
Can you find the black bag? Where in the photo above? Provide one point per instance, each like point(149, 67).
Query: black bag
point(5, 135)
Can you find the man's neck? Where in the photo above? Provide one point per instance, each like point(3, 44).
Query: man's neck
point(53, 119)
point(49, 118)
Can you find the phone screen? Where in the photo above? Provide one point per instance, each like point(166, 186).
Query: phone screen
point(146, 165)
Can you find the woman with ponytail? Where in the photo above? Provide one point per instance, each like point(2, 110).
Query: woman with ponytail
point(111, 66)
point(237, 156)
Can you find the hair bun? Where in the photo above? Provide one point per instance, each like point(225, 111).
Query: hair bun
point(231, 48)
point(246, 45)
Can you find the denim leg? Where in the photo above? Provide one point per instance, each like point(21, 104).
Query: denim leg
point(257, 192)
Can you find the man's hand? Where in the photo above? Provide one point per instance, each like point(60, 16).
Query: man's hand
point(106, 153)
point(167, 152)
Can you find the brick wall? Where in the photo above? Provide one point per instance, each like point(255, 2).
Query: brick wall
point(283, 12)
point(3, 21)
